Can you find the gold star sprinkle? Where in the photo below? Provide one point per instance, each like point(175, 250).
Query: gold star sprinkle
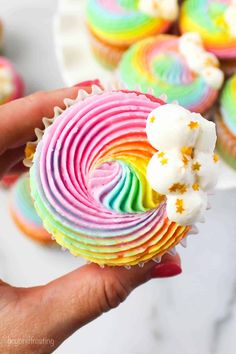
point(185, 160)
point(196, 166)
point(161, 154)
point(152, 119)
point(179, 206)
point(193, 125)
point(164, 161)
point(178, 187)
point(216, 158)
point(187, 150)
point(196, 187)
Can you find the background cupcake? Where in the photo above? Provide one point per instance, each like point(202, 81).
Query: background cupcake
point(11, 83)
point(176, 66)
point(215, 21)
point(114, 25)
point(24, 214)
point(11, 87)
point(226, 122)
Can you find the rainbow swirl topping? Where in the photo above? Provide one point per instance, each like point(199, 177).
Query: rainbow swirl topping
point(88, 180)
point(215, 21)
point(227, 104)
point(23, 211)
point(120, 23)
point(11, 84)
point(160, 63)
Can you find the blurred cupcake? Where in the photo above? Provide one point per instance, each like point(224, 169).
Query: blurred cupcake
point(11, 88)
point(226, 122)
point(11, 84)
point(178, 67)
point(24, 214)
point(114, 25)
point(215, 21)
point(1, 36)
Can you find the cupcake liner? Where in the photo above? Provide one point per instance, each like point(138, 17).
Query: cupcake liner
point(226, 141)
point(140, 258)
point(107, 55)
point(229, 67)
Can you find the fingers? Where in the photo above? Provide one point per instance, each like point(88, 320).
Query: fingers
point(19, 118)
point(81, 296)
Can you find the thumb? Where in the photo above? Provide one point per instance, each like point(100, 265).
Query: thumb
point(84, 294)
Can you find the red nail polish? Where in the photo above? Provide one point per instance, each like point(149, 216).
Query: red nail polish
point(166, 270)
point(88, 83)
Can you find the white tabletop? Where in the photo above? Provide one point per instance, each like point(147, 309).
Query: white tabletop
point(192, 314)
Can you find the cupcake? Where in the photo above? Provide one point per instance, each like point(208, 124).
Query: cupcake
point(24, 214)
point(11, 84)
point(11, 87)
point(1, 36)
point(226, 122)
point(113, 184)
point(215, 21)
point(114, 25)
point(178, 67)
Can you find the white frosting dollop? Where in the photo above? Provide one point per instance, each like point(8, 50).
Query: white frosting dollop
point(199, 60)
point(230, 18)
point(185, 166)
point(166, 9)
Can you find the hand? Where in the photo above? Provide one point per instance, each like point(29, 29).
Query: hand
point(39, 319)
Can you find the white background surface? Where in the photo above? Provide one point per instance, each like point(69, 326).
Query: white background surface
point(192, 314)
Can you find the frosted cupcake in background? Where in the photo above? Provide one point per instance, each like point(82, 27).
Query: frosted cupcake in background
point(114, 25)
point(215, 21)
point(226, 122)
point(1, 36)
point(24, 214)
point(178, 67)
point(11, 83)
point(11, 88)
point(120, 177)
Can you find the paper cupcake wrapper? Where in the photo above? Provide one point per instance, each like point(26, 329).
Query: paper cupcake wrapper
point(226, 138)
point(31, 148)
point(105, 54)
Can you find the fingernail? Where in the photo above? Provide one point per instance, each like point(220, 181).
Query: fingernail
point(166, 270)
point(88, 83)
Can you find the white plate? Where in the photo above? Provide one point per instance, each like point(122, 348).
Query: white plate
point(72, 45)
point(77, 62)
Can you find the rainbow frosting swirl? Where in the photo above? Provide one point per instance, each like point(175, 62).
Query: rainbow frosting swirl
point(208, 18)
point(226, 122)
point(11, 84)
point(120, 23)
point(88, 181)
point(23, 211)
point(156, 63)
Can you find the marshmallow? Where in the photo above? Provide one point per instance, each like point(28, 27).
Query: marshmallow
point(166, 9)
point(176, 118)
point(185, 167)
point(200, 61)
